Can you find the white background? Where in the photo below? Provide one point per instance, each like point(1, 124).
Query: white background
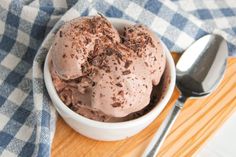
point(223, 143)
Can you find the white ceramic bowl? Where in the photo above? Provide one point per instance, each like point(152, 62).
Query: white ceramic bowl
point(103, 130)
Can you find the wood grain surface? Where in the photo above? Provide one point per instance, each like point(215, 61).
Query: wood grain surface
point(198, 121)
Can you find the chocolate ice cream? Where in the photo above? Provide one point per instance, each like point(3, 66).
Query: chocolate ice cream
point(104, 75)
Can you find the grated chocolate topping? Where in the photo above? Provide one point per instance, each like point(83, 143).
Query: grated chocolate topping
point(116, 104)
point(126, 72)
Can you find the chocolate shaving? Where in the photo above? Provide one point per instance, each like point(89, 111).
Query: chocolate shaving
point(109, 51)
point(155, 59)
point(118, 60)
point(130, 30)
point(119, 85)
point(92, 26)
point(100, 15)
point(60, 33)
point(126, 72)
point(87, 41)
point(85, 68)
point(121, 93)
point(109, 37)
point(119, 46)
point(118, 54)
point(116, 104)
point(128, 63)
point(96, 47)
point(76, 57)
point(106, 68)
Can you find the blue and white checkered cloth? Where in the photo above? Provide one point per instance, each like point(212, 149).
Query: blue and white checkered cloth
point(27, 28)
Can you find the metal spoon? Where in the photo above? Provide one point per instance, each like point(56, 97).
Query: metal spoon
point(199, 71)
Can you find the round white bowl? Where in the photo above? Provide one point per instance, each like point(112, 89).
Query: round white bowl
point(107, 131)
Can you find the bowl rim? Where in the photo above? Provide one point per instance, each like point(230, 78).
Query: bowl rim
point(111, 125)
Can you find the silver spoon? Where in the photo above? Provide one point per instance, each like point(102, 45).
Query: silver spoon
point(199, 71)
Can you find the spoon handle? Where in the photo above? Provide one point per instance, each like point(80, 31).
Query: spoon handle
point(160, 135)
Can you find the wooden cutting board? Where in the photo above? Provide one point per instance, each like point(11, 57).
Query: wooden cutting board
point(198, 121)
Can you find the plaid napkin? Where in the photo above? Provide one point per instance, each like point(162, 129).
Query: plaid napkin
point(27, 28)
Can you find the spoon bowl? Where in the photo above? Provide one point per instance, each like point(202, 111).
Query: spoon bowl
point(199, 73)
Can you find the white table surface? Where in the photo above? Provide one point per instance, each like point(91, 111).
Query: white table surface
point(223, 143)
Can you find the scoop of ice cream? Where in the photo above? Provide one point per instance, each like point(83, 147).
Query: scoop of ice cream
point(106, 77)
point(148, 49)
point(128, 86)
point(76, 39)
